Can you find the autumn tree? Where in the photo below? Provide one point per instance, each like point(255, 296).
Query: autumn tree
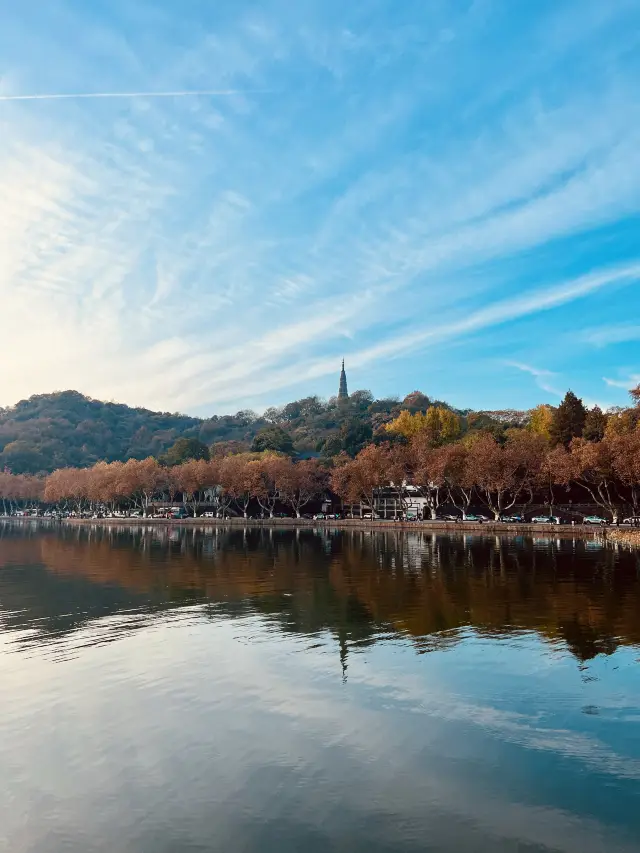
point(140, 480)
point(502, 473)
point(541, 420)
point(301, 482)
point(416, 402)
point(357, 480)
point(554, 471)
point(595, 424)
point(592, 468)
point(244, 480)
point(458, 475)
point(430, 471)
point(625, 457)
point(438, 424)
point(192, 479)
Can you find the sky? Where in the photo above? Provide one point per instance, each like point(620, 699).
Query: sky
point(445, 193)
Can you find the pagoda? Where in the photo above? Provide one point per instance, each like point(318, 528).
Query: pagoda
point(343, 394)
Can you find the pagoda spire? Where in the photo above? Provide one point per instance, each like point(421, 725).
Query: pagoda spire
point(343, 393)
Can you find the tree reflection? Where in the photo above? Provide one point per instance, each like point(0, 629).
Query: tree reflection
point(355, 585)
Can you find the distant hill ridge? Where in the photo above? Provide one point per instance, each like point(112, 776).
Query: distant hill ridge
point(66, 428)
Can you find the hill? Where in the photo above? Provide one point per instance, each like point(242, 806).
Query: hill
point(62, 429)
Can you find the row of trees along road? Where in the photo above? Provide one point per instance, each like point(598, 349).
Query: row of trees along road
point(238, 479)
point(559, 449)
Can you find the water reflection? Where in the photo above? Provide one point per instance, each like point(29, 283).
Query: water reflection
point(268, 691)
point(356, 585)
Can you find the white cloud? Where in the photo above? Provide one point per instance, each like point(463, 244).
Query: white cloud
point(542, 377)
point(630, 382)
point(618, 334)
point(190, 251)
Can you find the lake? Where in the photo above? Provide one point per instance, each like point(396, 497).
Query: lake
point(171, 689)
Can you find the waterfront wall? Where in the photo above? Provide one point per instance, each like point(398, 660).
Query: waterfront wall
point(563, 531)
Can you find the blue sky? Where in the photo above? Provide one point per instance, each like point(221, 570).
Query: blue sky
point(447, 194)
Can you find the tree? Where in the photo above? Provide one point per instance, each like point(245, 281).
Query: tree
point(407, 424)
point(22, 457)
point(438, 424)
point(592, 468)
point(228, 448)
point(625, 451)
point(416, 402)
point(354, 435)
point(541, 420)
point(267, 482)
point(555, 470)
point(430, 471)
point(458, 475)
point(568, 420)
point(300, 482)
point(184, 449)
point(140, 480)
point(595, 424)
point(502, 473)
point(244, 480)
point(360, 400)
point(272, 438)
point(357, 480)
point(193, 478)
point(442, 425)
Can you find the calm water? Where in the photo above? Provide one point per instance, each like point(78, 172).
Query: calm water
point(247, 690)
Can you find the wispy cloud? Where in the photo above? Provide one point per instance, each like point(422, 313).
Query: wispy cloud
point(97, 95)
point(631, 381)
point(220, 216)
point(543, 377)
point(618, 334)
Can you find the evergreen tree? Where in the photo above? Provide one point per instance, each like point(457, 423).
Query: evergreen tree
point(595, 423)
point(273, 438)
point(184, 449)
point(568, 420)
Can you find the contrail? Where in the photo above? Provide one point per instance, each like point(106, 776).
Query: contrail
point(76, 95)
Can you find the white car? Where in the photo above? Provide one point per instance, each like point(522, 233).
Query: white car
point(594, 519)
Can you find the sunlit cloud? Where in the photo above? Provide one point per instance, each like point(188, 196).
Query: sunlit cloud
point(220, 218)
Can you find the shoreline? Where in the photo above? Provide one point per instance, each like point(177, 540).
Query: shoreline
point(629, 537)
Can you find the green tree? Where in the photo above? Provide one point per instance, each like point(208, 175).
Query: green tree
point(568, 420)
point(355, 434)
point(185, 449)
point(273, 438)
point(22, 457)
point(595, 424)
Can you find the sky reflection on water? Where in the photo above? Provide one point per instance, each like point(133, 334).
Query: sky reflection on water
point(283, 690)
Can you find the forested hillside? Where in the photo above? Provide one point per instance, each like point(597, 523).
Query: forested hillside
point(63, 429)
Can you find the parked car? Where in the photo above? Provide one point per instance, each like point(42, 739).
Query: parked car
point(594, 519)
point(545, 519)
point(208, 514)
point(448, 517)
point(478, 519)
point(634, 521)
point(511, 519)
point(319, 516)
